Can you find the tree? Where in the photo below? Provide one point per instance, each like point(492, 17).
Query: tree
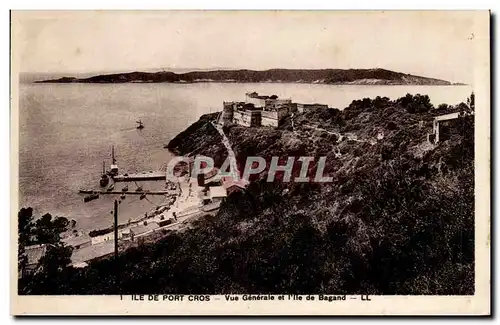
point(443, 107)
point(471, 101)
point(466, 126)
point(48, 231)
point(25, 225)
point(55, 259)
point(416, 104)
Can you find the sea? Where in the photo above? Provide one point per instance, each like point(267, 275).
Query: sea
point(68, 130)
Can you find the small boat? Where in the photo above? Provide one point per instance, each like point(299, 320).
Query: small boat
point(143, 196)
point(125, 189)
point(122, 196)
point(104, 178)
point(138, 189)
point(91, 197)
point(140, 126)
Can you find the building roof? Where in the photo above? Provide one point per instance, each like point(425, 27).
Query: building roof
point(279, 100)
point(311, 105)
point(76, 240)
point(92, 252)
point(228, 182)
point(34, 253)
point(450, 116)
point(217, 191)
point(140, 229)
point(234, 187)
point(445, 117)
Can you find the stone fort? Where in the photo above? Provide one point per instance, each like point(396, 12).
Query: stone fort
point(258, 110)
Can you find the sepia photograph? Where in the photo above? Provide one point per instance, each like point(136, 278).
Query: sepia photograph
point(235, 160)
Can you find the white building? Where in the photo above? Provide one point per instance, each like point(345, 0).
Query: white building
point(305, 108)
point(217, 193)
point(33, 254)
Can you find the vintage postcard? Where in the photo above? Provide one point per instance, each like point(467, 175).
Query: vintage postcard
point(250, 162)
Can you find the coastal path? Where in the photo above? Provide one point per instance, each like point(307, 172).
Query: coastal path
point(231, 155)
point(340, 136)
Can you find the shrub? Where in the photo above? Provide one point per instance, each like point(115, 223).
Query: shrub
point(416, 104)
point(391, 126)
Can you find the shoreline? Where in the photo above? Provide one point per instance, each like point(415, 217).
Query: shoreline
point(247, 82)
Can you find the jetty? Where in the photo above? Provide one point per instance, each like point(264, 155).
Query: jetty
point(143, 176)
point(85, 191)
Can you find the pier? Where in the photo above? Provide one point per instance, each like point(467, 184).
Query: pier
point(84, 191)
point(144, 176)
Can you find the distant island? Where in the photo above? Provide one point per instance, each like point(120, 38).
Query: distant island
point(321, 76)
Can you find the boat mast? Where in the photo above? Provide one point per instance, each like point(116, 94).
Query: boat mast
point(113, 154)
point(103, 167)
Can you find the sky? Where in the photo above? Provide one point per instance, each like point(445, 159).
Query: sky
point(431, 44)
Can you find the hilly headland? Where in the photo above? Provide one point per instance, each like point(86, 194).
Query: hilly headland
point(317, 76)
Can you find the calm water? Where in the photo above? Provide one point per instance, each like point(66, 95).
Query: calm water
point(67, 130)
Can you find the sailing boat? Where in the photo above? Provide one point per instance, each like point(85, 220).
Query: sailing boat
point(140, 126)
point(104, 178)
point(113, 171)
